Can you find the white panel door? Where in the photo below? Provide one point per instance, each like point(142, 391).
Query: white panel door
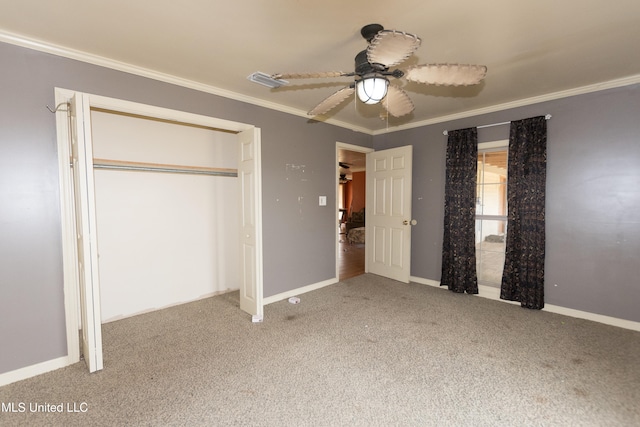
point(250, 222)
point(388, 213)
point(87, 248)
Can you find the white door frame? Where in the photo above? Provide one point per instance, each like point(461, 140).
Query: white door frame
point(358, 149)
point(67, 204)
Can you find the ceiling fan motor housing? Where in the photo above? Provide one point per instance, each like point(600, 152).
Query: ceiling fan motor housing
point(370, 31)
point(363, 66)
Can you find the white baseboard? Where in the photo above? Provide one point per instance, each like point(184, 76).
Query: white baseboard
point(175, 304)
point(494, 294)
point(483, 291)
point(52, 365)
point(608, 320)
point(422, 281)
point(298, 291)
point(33, 370)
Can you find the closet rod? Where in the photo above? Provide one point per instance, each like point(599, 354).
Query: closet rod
point(155, 167)
point(446, 132)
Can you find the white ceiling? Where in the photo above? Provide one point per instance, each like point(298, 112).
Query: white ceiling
point(356, 161)
point(533, 50)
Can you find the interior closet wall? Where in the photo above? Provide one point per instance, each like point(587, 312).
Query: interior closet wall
point(163, 238)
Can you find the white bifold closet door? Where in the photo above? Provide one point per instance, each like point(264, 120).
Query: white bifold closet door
point(163, 238)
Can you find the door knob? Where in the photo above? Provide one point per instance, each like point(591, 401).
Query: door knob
point(413, 222)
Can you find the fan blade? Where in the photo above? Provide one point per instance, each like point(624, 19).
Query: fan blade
point(397, 102)
point(332, 101)
point(390, 47)
point(287, 76)
point(447, 74)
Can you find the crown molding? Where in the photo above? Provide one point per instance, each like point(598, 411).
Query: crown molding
point(42, 46)
point(611, 84)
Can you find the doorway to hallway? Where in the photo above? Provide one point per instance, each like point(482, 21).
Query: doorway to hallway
point(351, 201)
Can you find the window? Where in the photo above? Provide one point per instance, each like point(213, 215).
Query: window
point(491, 211)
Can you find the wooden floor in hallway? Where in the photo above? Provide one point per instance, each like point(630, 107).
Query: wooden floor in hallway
point(350, 259)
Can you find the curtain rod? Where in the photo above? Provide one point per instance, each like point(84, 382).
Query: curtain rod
point(446, 132)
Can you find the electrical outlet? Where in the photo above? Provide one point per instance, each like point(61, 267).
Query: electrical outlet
point(322, 201)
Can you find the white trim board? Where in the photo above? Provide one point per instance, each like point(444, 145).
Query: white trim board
point(494, 294)
point(298, 291)
point(625, 81)
point(33, 370)
point(43, 46)
point(65, 52)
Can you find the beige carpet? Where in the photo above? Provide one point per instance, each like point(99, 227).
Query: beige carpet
point(364, 352)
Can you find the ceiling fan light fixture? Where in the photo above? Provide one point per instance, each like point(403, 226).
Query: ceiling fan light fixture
point(372, 72)
point(372, 89)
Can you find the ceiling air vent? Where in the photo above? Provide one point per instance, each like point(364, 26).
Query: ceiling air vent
point(266, 80)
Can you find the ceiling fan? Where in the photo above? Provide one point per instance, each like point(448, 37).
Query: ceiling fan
point(388, 48)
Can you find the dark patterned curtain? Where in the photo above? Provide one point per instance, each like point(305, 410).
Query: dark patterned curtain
point(523, 275)
point(458, 246)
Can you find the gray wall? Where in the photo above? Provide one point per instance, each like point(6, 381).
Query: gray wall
point(592, 204)
point(593, 197)
point(299, 236)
